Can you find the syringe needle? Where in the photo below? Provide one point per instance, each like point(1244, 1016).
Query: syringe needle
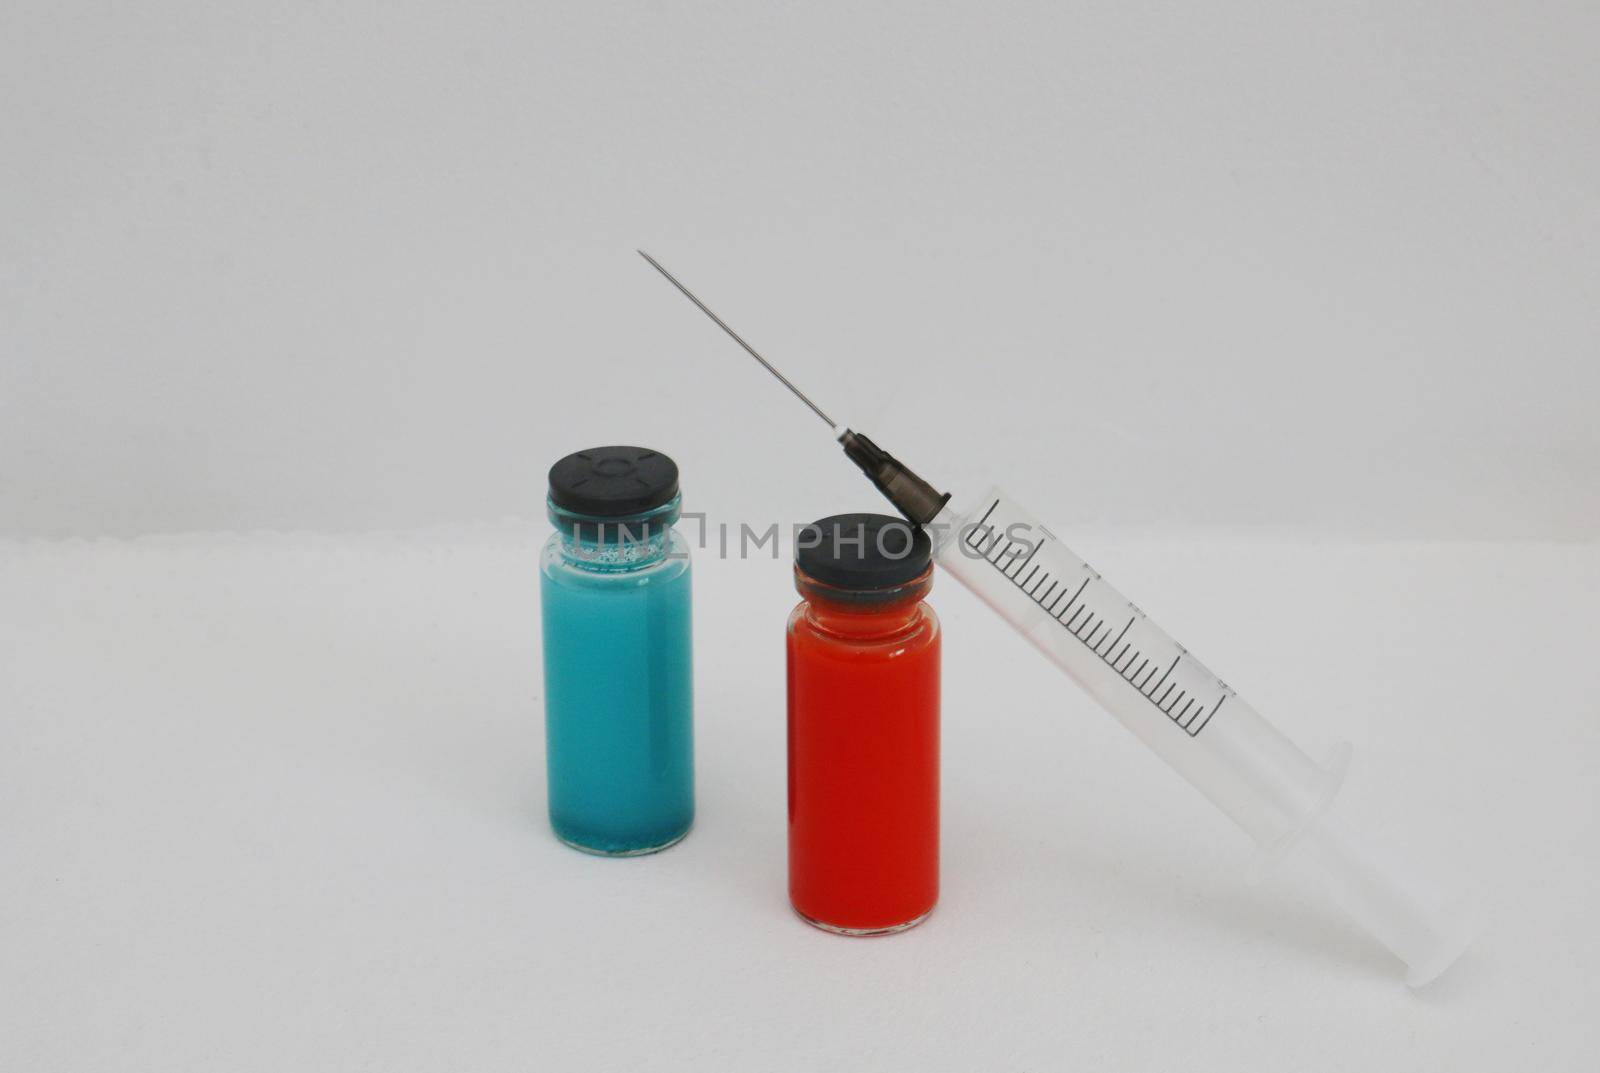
point(784, 380)
point(912, 496)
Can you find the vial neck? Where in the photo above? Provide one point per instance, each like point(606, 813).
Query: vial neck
point(614, 544)
point(870, 614)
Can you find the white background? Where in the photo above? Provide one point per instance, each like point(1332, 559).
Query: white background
point(1285, 317)
point(370, 265)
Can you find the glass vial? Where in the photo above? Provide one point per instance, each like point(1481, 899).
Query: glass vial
point(614, 591)
point(863, 655)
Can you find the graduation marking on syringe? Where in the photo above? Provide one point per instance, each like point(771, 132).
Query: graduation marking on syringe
point(1091, 629)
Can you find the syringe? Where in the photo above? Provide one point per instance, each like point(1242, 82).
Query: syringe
point(1152, 685)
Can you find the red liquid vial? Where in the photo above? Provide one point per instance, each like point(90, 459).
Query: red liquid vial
point(863, 656)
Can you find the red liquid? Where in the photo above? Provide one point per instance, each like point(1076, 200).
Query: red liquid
point(863, 759)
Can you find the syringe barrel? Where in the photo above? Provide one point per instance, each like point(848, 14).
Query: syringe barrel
point(1150, 683)
point(1191, 719)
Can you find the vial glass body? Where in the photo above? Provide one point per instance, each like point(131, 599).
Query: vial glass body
point(619, 730)
point(863, 684)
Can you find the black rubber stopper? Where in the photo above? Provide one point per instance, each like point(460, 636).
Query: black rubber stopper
point(863, 551)
point(612, 482)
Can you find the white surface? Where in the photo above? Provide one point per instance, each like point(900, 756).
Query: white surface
point(361, 265)
point(276, 803)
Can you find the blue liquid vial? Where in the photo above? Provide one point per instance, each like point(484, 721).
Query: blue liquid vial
point(618, 672)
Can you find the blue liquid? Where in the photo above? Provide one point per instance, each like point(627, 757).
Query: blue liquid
point(619, 729)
